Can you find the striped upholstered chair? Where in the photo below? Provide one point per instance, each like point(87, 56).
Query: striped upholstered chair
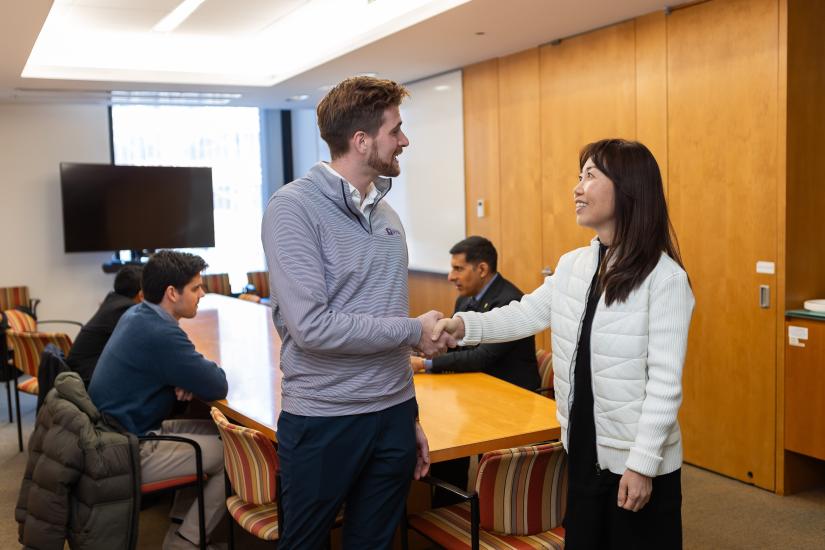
point(518, 503)
point(23, 322)
point(20, 321)
point(15, 320)
point(217, 283)
point(17, 296)
point(545, 362)
point(260, 280)
point(251, 466)
point(28, 348)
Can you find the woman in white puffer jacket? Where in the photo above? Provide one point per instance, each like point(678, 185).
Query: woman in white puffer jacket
point(619, 311)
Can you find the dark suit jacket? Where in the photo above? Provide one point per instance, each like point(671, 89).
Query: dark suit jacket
point(513, 362)
point(93, 336)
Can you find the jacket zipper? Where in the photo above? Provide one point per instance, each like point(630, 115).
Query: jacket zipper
point(357, 217)
point(375, 204)
point(570, 373)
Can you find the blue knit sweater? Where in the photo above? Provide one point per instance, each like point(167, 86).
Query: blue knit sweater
point(148, 356)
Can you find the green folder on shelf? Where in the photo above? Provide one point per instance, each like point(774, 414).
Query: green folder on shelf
point(805, 314)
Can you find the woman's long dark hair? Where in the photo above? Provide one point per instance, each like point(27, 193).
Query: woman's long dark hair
point(643, 229)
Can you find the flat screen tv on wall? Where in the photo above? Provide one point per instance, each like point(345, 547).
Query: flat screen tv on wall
point(108, 207)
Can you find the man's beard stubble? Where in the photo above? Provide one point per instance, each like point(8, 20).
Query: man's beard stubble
point(386, 169)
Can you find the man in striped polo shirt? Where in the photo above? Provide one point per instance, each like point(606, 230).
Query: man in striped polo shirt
point(337, 258)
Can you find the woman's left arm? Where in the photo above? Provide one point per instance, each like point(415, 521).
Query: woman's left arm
point(670, 310)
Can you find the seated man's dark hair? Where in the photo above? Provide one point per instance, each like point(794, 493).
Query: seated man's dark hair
point(127, 280)
point(169, 268)
point(477, 249)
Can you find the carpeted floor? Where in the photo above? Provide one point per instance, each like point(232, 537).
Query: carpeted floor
point(718, 513)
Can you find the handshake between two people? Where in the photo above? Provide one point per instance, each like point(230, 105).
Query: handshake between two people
point(438, 333)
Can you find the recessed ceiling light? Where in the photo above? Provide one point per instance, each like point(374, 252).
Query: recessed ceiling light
point(299, 97)
point(177, 16)
point(153, 97)
point(441, 88)
point(326, 87)
point(373, 75)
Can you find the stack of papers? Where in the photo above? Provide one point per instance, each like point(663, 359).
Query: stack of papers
point(815, 305)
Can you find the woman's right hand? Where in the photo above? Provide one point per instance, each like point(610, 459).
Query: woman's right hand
point(453, 326)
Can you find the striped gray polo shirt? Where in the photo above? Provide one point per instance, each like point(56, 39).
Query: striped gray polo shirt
point(339, 298)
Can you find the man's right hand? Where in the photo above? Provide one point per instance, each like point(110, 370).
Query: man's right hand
point(453, 326)
point(428, 346)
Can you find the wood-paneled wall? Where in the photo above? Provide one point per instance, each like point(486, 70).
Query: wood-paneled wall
point(801, 211)
point(705, 89)
point(722, 153)
point(431, 291)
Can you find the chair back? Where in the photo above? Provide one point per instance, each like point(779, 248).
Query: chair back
point(217, 283)
point(14, 296)
point(545, 362)
point(261, 281)
point(29, 346)
point(250, 297)
point(250, 459)
point(523, 490)
point(20, 321)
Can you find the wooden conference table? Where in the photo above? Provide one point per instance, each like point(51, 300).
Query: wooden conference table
point(462, 414)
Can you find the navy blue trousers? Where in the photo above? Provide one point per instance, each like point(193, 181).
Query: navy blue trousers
point(365, 461)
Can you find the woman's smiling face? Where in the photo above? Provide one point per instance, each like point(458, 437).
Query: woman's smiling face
point(595, 202)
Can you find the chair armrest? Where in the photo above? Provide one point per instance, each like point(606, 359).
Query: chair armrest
point(33, 302)
point(61, 321)
point(435, 482)
point(179, 439)
point(475, 520)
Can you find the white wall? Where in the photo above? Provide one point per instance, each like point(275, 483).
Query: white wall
point(429, 193)
point(34, 139)
point(307, 146)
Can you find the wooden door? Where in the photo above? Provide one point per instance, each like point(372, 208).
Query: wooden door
point(588, 92)
point(723, 179)
point(520, 170)
point(481, 150)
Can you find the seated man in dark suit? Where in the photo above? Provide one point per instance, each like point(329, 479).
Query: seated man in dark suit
point(148, 364)
point(480, 288)
point(93, 336)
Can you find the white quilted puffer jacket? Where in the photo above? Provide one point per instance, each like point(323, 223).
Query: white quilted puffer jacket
point(637, 354)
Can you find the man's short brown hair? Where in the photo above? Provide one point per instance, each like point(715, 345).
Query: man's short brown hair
point(357, 103)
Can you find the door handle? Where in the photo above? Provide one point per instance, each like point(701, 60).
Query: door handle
point(547, 271)
point(764, 296)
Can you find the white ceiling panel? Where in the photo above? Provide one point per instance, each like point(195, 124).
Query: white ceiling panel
point(230, 43)
point(237, 17)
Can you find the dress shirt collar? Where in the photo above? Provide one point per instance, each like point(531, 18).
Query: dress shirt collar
point(372, 192)
point(480, 295)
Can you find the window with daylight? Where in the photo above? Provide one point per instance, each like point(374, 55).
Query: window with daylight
point(225, 138)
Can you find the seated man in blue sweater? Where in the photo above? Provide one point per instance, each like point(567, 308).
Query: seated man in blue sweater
point(147, 365)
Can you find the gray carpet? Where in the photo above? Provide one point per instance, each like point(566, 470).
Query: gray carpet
point(718, 513)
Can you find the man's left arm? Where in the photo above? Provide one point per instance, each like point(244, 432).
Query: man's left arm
point(476, 359)
point(671, 307)
point(187, 369)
